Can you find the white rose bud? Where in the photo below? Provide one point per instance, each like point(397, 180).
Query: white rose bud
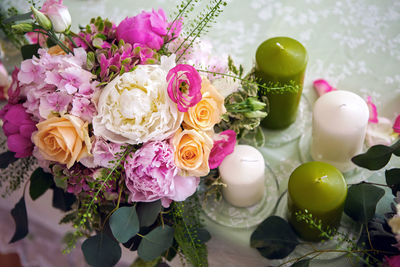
point(58, 15)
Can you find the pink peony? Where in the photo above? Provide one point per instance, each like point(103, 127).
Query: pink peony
point(224, 145)
point(393, 261)
point(151, 175)
point(148, 28)
point(184, 86)
point(18, 127)
point(321, 86)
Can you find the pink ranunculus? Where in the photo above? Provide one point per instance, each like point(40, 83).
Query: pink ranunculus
point(393, 261)
point(184, 86)
point(148, 28)
point(58, 14)
point(373, 113)
point(18, 127)
point(396, 125)
point(151, 175)
point(321, 86)
point(224, 144)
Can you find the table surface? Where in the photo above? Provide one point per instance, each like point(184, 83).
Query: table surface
point(353, 44)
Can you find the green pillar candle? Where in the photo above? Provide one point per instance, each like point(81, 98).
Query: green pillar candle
point(281, 61)
point(320, 189)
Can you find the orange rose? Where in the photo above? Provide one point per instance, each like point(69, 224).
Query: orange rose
point(56, 50)
point(208, 112)
point(64, 140)
point(192, 150)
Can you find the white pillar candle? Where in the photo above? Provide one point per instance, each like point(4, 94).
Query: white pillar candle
point(340, 120)
point(243, 173)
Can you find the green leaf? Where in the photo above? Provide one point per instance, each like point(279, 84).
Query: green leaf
point(361, 201)
point(90, 60)
point(156, 242)
point(62, 200)
point(375, 158)
point(6, 159)
point(274, 238)
point(302, 263)
point(141, 263)
point(124, 223)
point(396, 148)
point(40, 182)
point(19, 17)
point(30, 50)
point(61, 182)
point(148, 212)
point(203, 235)
point(21, 220)
point(101, 251)
point(393, 179)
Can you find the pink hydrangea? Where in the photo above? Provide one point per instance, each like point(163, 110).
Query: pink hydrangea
point(149, 29)
point(18, 127)
point(151, 175)
point(224, 144)
point(104, 154)
point(58, 84)
point(184, 86)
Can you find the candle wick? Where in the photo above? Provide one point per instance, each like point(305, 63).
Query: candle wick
point(321, 179)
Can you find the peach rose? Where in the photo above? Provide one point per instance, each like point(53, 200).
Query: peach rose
point(208, 112)
point(64, 140)
point(192, 150)
point(56, 50)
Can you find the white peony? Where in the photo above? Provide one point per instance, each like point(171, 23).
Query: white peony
point(226, 85)
point(135, 108)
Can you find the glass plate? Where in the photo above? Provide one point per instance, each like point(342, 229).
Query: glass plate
point(355, 176)
point(277, 138)
point(225, 214)
point(347, 227)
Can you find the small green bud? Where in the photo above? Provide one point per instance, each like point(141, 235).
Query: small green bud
point(255, 104)
point(22, 27)
point(42, 19)
point(255, 114)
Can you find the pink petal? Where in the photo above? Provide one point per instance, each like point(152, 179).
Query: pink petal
point(396, 125)
point(322, 87)
point(20, 145)
point(373, 114)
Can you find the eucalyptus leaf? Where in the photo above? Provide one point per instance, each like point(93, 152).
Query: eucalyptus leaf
point(30, 50)
point(156, 242)
point(101, 251)
point(361, 201)
point(396, 148)
point(40, 182)
point(62, 200)
point(139, 262)
point(21, 220)
point(6, 159)
point(274, 238)
point(148, 212)
point(393, 179)
point(302, 263)
point(124, 223)
point(375, 158)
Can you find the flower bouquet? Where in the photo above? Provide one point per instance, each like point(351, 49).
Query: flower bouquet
point(123, 120)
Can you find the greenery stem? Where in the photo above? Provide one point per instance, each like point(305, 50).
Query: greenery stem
point(118, 202)
point(377, 184)
point(179, 15)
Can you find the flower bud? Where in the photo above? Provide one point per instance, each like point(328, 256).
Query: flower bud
point(58, 14)
point(22, 27)
point(255, 114)
point(255, 104)
point(41, 19)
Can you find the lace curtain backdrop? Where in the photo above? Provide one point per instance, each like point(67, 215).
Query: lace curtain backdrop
point(353, 44)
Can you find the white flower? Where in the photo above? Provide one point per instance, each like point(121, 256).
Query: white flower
point(380, 132)
point(135, 108)
point(226, 85)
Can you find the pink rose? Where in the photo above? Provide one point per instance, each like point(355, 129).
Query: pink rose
point(396, 125)
point(18, 127)
point(393, 261)
point(224, 145)
point(322, 87)
point(58, 14)
point(151, 175)
point(184, 86)
point(148, 28)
